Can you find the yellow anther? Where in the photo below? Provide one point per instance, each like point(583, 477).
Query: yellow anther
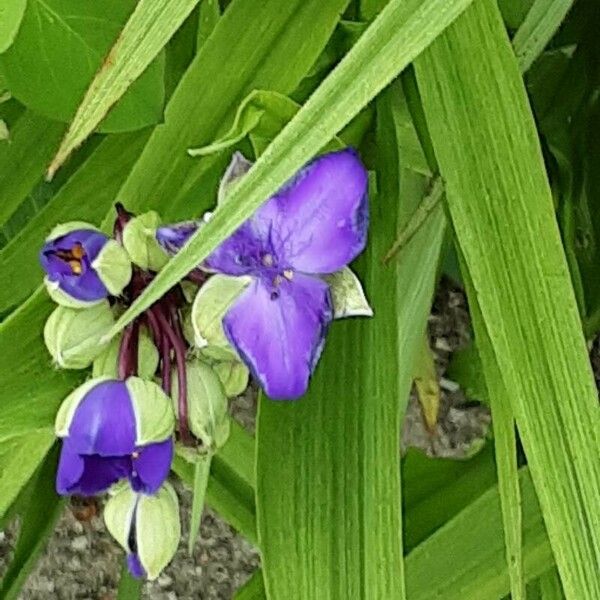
point(77, 251)
point(288, 274)
point(75, 266)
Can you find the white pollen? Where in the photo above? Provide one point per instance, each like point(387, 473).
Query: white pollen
point(267, 260)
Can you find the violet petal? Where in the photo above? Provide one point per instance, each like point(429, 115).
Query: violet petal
point(104, 422)
point(279, 332)
point(152, 466)
point(135, 566)
point(318, 221)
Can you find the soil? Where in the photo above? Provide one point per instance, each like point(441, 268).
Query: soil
point(81, 561)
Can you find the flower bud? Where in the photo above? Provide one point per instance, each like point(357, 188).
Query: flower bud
point(212, 301)
point(146, 526)
point(107, 363)
point(73, 337)
point(83, 265)
point(234, 376)
point(207, 404)
point(140, 242)
point(347, 295)
point(173, 237)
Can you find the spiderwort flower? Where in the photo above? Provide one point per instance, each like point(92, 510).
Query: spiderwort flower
point(83, 265)
point(313, 226)
point(147, 527)
point(113, 429)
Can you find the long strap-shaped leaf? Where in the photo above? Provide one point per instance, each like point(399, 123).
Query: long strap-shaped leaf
point(502, 210)
point(402, 30)
point(335, 488)
point(146, 32)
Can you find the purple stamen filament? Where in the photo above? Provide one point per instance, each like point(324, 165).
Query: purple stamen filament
point(163, 321)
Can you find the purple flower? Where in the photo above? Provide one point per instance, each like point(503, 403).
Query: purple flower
point(83, 265)
point(315, 225)
point(113, 430)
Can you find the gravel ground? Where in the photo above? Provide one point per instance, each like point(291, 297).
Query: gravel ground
point(82, 562)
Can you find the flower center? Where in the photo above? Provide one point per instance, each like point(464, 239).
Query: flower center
point(73, 257)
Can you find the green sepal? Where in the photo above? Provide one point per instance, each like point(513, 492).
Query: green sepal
point(119, 511)
point(139, 240)
point(64, 228)
point(113, 267)
point(107, 363)
point(70, 403)
point(212, 301)
point(157, 525)
point(347, 295)
point(73, 336)
point(63, 299)
point(207, 404)
point(158, 529)
point(153, 411)
point(234, 376)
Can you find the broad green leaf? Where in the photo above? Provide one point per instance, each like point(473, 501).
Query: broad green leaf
point(393, 40)
point(464, 560)
point(491, 161)
point(11, 15)
point(19, 458)
point(253, 589)
point(87, 195)
point(23, 161)
point(149, 28)
point(335, 487)
point(514, 11)
point(540, 24)
point(55, 33)
point(39, 509)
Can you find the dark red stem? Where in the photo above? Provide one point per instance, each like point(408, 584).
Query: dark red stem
point(179, 348)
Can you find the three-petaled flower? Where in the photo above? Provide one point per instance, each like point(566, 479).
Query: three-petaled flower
point(313, 226)
point(83, 265)
point(111, 430)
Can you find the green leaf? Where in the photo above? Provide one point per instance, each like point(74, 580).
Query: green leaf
point(11, 15)
point(231, 484)
point(39, 510)
point(83, 197)
point(396, 37)
point(426, 384)
point(505, 443)
point(55, 33)
point(32, 389)
point(540, 24)
point(142, 38)
point(465, 558)
point(19, 458)
point(550, 586)
point(130, 588)
point(513, 245)
point(436, 489)
point(335, 486)
point(201, 472)
point(465, 368)
point(23, 161)
point(253, 589)
point(209, 15)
